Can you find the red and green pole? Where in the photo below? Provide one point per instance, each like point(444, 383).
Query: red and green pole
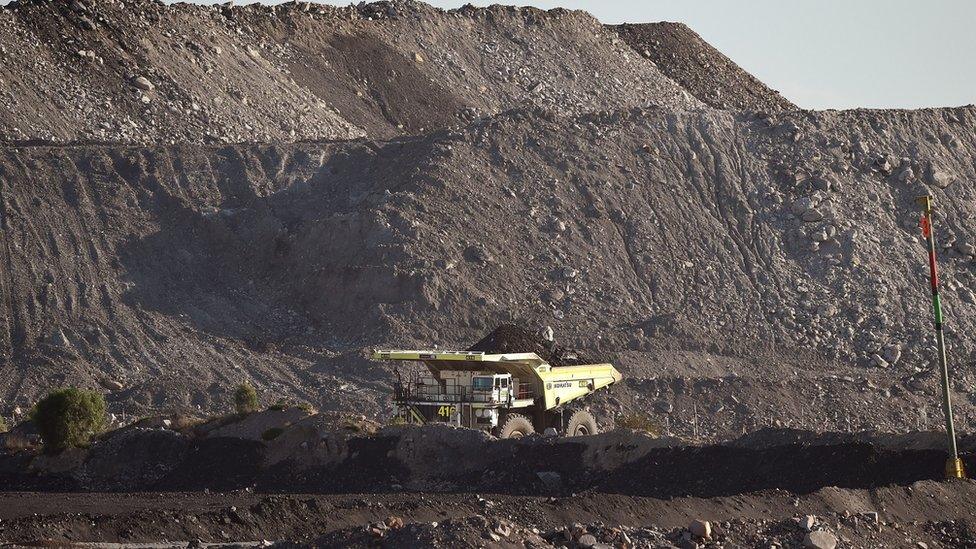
point(954, 467)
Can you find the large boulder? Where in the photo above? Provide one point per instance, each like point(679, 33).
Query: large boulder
point(820, 539)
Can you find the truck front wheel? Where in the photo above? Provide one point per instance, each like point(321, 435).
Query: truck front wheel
point(581, 423)
point(515, 426)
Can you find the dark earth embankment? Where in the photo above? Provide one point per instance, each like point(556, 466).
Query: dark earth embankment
point(304, 458)
point(925, 511)
point(434, 486)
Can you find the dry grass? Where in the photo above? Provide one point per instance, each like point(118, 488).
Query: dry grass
point(640, 422)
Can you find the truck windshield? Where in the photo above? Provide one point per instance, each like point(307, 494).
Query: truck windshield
point(482, 383)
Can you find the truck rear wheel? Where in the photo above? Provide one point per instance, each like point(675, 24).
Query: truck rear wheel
point(515, 426)
point(581, 423)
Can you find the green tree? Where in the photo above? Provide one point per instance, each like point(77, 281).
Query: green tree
point(69, 418)
point(245, 398)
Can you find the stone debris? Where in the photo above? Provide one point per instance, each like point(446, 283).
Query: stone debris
point(586, 540)
point(820, 539)
point(682, 55)
point(701, 529)
point(808, 522)
point(222, 59)
point(512, 523)
point(143, 83)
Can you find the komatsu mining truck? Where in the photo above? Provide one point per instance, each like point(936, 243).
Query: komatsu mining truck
point(509, 395)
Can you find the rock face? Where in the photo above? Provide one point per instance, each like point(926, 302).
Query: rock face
point(269, 252)
point(704, 71)
point(284, 73)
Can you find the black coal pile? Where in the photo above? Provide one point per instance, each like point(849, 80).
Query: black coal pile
point(513, 338)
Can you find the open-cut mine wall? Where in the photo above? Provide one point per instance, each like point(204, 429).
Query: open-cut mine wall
point(175, 271)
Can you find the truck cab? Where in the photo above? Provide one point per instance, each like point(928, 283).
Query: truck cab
point(493, 388)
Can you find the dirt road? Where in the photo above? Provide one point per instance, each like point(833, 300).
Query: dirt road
point(905, 513)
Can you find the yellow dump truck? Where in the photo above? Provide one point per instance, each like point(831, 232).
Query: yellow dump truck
point(510, 395)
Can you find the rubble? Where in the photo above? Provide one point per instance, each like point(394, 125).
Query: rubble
point(701, 529)
point(820, 539)
point(346, 75)
point(707, 74)
point(808, 522)
point(143, 83)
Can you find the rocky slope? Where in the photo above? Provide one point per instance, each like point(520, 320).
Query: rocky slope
point(173, 272)
point(701, 69)
point(143, 72)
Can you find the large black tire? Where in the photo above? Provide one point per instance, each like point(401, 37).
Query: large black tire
point(515, 426)
point(581, 423)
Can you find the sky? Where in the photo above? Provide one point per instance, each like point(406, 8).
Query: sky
point(822, 54)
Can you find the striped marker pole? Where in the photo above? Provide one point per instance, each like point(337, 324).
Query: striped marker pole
point(954, 467)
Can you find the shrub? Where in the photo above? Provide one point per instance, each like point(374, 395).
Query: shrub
point(272, 433)
point(279, 406)
point(351, 423)
point(68, 418)
point(245, 398)
point(185, 423)
point(639, 422)
point(306, 407)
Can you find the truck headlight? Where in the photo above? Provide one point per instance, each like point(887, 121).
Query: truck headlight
point(479, 412)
